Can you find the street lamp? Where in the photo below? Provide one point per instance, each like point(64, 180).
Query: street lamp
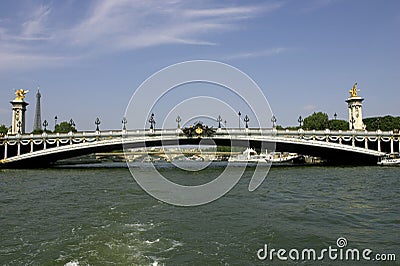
point(71, 124)
point(378, 123)
point(335, 116)
point(219, 119)
point(97, 123)
point(225, 123)
point(300, 120)
point(55, 121)
point(124, 121)
point(239, 114)
point(273, 120)
point(152, 121)
point(246, 120)
point(19, 125)
point(45, 124)
point(178, 120)
point(352, 121)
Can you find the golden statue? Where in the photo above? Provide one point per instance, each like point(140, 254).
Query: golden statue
point(353, 91)
point(20, 94)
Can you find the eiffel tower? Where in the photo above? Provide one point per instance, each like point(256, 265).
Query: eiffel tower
point(37, 125)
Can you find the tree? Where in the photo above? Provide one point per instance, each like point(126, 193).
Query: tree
point(64, 127)
point(317, 121)
point(3, 130)
point(385, 123)
point(338, 125)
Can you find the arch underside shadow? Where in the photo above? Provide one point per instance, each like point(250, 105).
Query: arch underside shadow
point(331, 155)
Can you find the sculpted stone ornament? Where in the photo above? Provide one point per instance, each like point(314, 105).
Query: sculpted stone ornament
point(198, 130)
point(20, 94)
point(353, 91)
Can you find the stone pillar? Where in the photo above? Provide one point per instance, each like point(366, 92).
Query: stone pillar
point(18, 116)
point(354, 103)
point(391, 145)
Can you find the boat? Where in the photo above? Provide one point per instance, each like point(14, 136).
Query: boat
point(250, 156)
point(391, 159)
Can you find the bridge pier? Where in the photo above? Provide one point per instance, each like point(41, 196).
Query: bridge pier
point(5, 150)
point(31, 146)
point(379, 144)
point(391, 145)
point(366, 143)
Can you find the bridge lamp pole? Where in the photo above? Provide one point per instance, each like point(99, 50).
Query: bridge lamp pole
point(97, 123)
point(71, 124)
point(152, 121)
point(352, 121)
point(124, 121)
point(335, 116)
point(225, 123)
point(178, 120)
point(19, 125)
point(378, 123)
point(45, 124)
point(246, 120)
point(300, 120)
point(219, 119)
point(239, 114)
point(273, 120)
point(55, 121)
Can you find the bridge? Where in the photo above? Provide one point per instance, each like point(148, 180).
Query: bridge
point(337, 147)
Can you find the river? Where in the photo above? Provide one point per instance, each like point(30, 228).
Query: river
point(100, 216)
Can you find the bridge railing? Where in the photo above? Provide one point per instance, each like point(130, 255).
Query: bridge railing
point(229, 131)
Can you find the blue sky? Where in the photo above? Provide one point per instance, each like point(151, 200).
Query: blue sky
point(88, 57)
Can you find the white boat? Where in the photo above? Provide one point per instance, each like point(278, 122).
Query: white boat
point(390, 159)
point(251, 156)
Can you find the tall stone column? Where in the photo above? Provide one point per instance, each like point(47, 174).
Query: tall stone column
point(354, 103)
point(18, 112)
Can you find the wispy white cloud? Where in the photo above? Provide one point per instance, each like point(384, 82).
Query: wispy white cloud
point(252, 54)
point(309, 107)
point(109, 26)
point(34, 28)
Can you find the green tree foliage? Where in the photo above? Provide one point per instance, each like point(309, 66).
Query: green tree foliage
point(3, 129)
point(338, 125)
point(64, 127)
point(386, 123)
point(317, 121)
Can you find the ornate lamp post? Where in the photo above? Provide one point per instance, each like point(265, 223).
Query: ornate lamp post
point(273, 120)
point(71, 124)
point(300, 120)
point(246, 120)
point(225, 123)
point(152, 121)
point(19, 125)
point(219, 119)
point(335, 116)
point(178, 120)
point(239, 114)
point(45, 124)
point(378, 123)
point(124, 121)
point(55, 121)
point(352, 121)
point(97, 123)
